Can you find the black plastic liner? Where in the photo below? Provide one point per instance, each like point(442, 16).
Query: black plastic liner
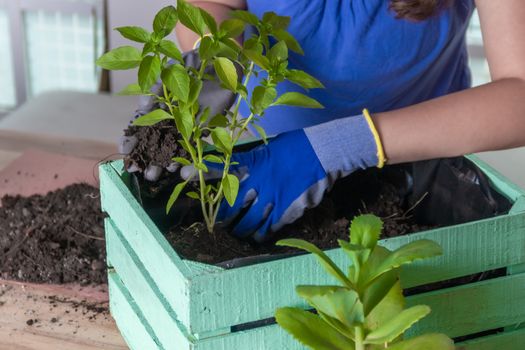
point(442, 192)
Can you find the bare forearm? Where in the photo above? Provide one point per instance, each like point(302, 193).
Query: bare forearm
point(220, 10)
point(488, 117)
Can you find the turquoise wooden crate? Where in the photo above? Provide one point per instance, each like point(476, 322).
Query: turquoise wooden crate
point(161, 301)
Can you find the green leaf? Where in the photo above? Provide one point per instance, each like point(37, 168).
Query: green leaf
point(121, 58)
point(213, 159)
point(208, 48)
point(137, 34)
point(222, 140)
point(357, 254)
point(397, 325)
point(193, 195)
point(226, 72)
point(290, 41)
point(148, 48)
point(257, 58)
point(389, 307)
point(432, 341)
point(168, 48)
point(177, 80)
point(184, 122)
point(297, 99)
point(202, 167)
point(325, 261)
point(261, 132)
point(191, 17)
point(421, 249)
point(228, 49)
point(340, 303)
point(152, 118)
point(218, 120)
point(195, 90)
point(278, 52)
point(149, 72)
point(365, 230)
point(276, 21)
point(245, 16)
point(181, 160)
point(209, 20)
point(375, 292)
point(262, 98)
point(303, 79)
point(230, 185)
point(311, 330)
point(231, 28)
point(174, 195)
point(165, 21)
point(132, 89)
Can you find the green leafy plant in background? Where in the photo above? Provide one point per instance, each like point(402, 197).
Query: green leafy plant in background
point(367, 310)
point(265, 52)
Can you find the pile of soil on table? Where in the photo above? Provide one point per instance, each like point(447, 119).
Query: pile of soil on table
point(362, 192)
point(53, 238)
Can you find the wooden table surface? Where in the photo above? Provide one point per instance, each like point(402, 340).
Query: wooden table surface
point(67, 317)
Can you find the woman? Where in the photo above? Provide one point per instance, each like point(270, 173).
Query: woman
point(404, 60)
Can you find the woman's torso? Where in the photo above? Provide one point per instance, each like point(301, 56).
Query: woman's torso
point(366, 57)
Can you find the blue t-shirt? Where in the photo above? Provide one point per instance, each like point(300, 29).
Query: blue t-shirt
point(366, 57)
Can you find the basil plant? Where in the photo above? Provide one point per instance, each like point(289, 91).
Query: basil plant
point(265, 52)
point(366, 311)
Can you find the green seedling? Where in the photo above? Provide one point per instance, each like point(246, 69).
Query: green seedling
point(366, 311)
point(265, 52)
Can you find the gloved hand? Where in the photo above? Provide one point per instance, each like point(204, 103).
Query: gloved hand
point(280, 180)
point(212, 95)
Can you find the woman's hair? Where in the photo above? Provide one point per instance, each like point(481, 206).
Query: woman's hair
point(417, 10)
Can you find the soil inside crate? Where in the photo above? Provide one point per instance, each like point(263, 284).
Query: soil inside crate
point(53, 238)
point(362, 192)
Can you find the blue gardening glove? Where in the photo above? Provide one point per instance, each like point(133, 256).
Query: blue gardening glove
point(212, 95)
point(280, 180)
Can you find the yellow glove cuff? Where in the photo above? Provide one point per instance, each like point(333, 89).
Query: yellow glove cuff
point(380, 151)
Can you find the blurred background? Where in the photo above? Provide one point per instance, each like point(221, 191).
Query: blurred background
point(50, 88)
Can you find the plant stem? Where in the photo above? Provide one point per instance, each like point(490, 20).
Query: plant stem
point(216, 200)
point(359, 338)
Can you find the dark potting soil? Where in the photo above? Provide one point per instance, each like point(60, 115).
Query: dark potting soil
point(53, 238)
point(360, 193)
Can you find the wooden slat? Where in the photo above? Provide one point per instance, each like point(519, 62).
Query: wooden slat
point(215, 299)
point(254, 292)
point(155, 309)
point(164, 265)
point(514, 340)
point(473, 308)
point(130, 321)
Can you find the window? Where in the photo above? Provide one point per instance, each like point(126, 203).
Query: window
point(49, 45)
point(7, 80)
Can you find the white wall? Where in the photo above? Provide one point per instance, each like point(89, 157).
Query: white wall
point(130, 13)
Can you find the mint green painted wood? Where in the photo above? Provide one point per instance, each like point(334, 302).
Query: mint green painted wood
point(474, 307)
point(213, 299)
point(469, 248)
point(144, 292)
point(207, 300)
point(147, 241)
point(130, 321)
point(513, 340)
point(269, 337)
